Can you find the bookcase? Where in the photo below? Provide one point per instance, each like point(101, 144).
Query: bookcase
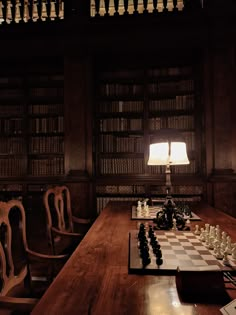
point(131, 105)
point(46, 124)
point(32, 127)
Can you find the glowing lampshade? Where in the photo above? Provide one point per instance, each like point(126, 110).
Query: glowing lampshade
point(168, 148)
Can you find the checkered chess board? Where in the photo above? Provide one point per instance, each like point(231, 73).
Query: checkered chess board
point(152, 214)
point(179, 249)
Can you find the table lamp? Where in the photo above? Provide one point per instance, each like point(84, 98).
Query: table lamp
point(167, 147)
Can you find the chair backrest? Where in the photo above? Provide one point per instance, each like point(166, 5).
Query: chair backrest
point(57, 203)
point(13, 244)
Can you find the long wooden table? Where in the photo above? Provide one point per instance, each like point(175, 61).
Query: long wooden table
point(95, 280)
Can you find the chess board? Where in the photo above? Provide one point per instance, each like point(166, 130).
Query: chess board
point(179, 249)
point(152, 214)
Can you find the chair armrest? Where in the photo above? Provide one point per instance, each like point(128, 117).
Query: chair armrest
point(81, 220)
point(67, 234)
point(45, 257)
point(20, 304)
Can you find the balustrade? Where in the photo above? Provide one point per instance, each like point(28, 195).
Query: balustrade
point(23, 11)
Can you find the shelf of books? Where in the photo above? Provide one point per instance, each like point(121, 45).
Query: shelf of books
point(12, 126)
point(31, 126)
point(131, 105)
point(46, 124)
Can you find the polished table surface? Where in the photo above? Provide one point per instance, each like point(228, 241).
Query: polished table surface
point(95, 280)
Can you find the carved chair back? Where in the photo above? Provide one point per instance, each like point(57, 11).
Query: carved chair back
point(13, 245)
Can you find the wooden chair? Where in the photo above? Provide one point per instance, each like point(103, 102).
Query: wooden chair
point(18, 293)
point(60, 222)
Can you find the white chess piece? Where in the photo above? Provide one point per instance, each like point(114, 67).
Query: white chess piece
point(234, 251)
point(146, 211)
point(174, 224)
point(219, 254)
point(228, 245)
point(225, 259)
point(207, 228)
point(197, 230)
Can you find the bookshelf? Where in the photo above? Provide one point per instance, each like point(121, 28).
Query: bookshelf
point(131, 105)
point(31, 129)
point(46, 124)
point(12, 123)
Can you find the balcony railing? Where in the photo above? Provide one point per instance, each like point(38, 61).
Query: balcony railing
point(24, 11)
point(125, 7)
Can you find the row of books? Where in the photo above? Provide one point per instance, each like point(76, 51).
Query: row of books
point(12, 145)
point(175, 169)
point(121, 166)
point(179, 102)
point(12, 167)
point(121, 74)
point(161, 87)
point(182, 122)
point(46, 125)
point(151, 72)
point(11, 93)
point(40, 109)
point(11, 110)
point(155, 190)
point(46, 92)
point(180, 189)
point(109, 144)
point(52, 144)
point(121, 106)
point(11, 187)
point(11, 126)
point(47, 167)
point(121, 124)
point(117, 89)
point(11, 80)
point(45, 78)
point(120, 189)
point(169, 71)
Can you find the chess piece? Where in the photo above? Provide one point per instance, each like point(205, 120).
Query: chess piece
point(207, 227)
point(174, 225)
point(203, 235)
point(226, 259)
point(228, 245)
point(146, 211)
point(234, 252)
point(197, 230)
point(219, 254)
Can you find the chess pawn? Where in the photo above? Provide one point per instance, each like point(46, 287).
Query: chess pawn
point(139, 212)
point(216, 245)
point(146, 211)
point(228, 245)
point(203, 235)
point(234, 251)
point(219, 254)
point(188, 222)
point(197, 230)
point(224, 237)
point(211, 242)
point(207, 240)
point(174, 225)
point(225, 259)
point(139, 207)
point(207, 227)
